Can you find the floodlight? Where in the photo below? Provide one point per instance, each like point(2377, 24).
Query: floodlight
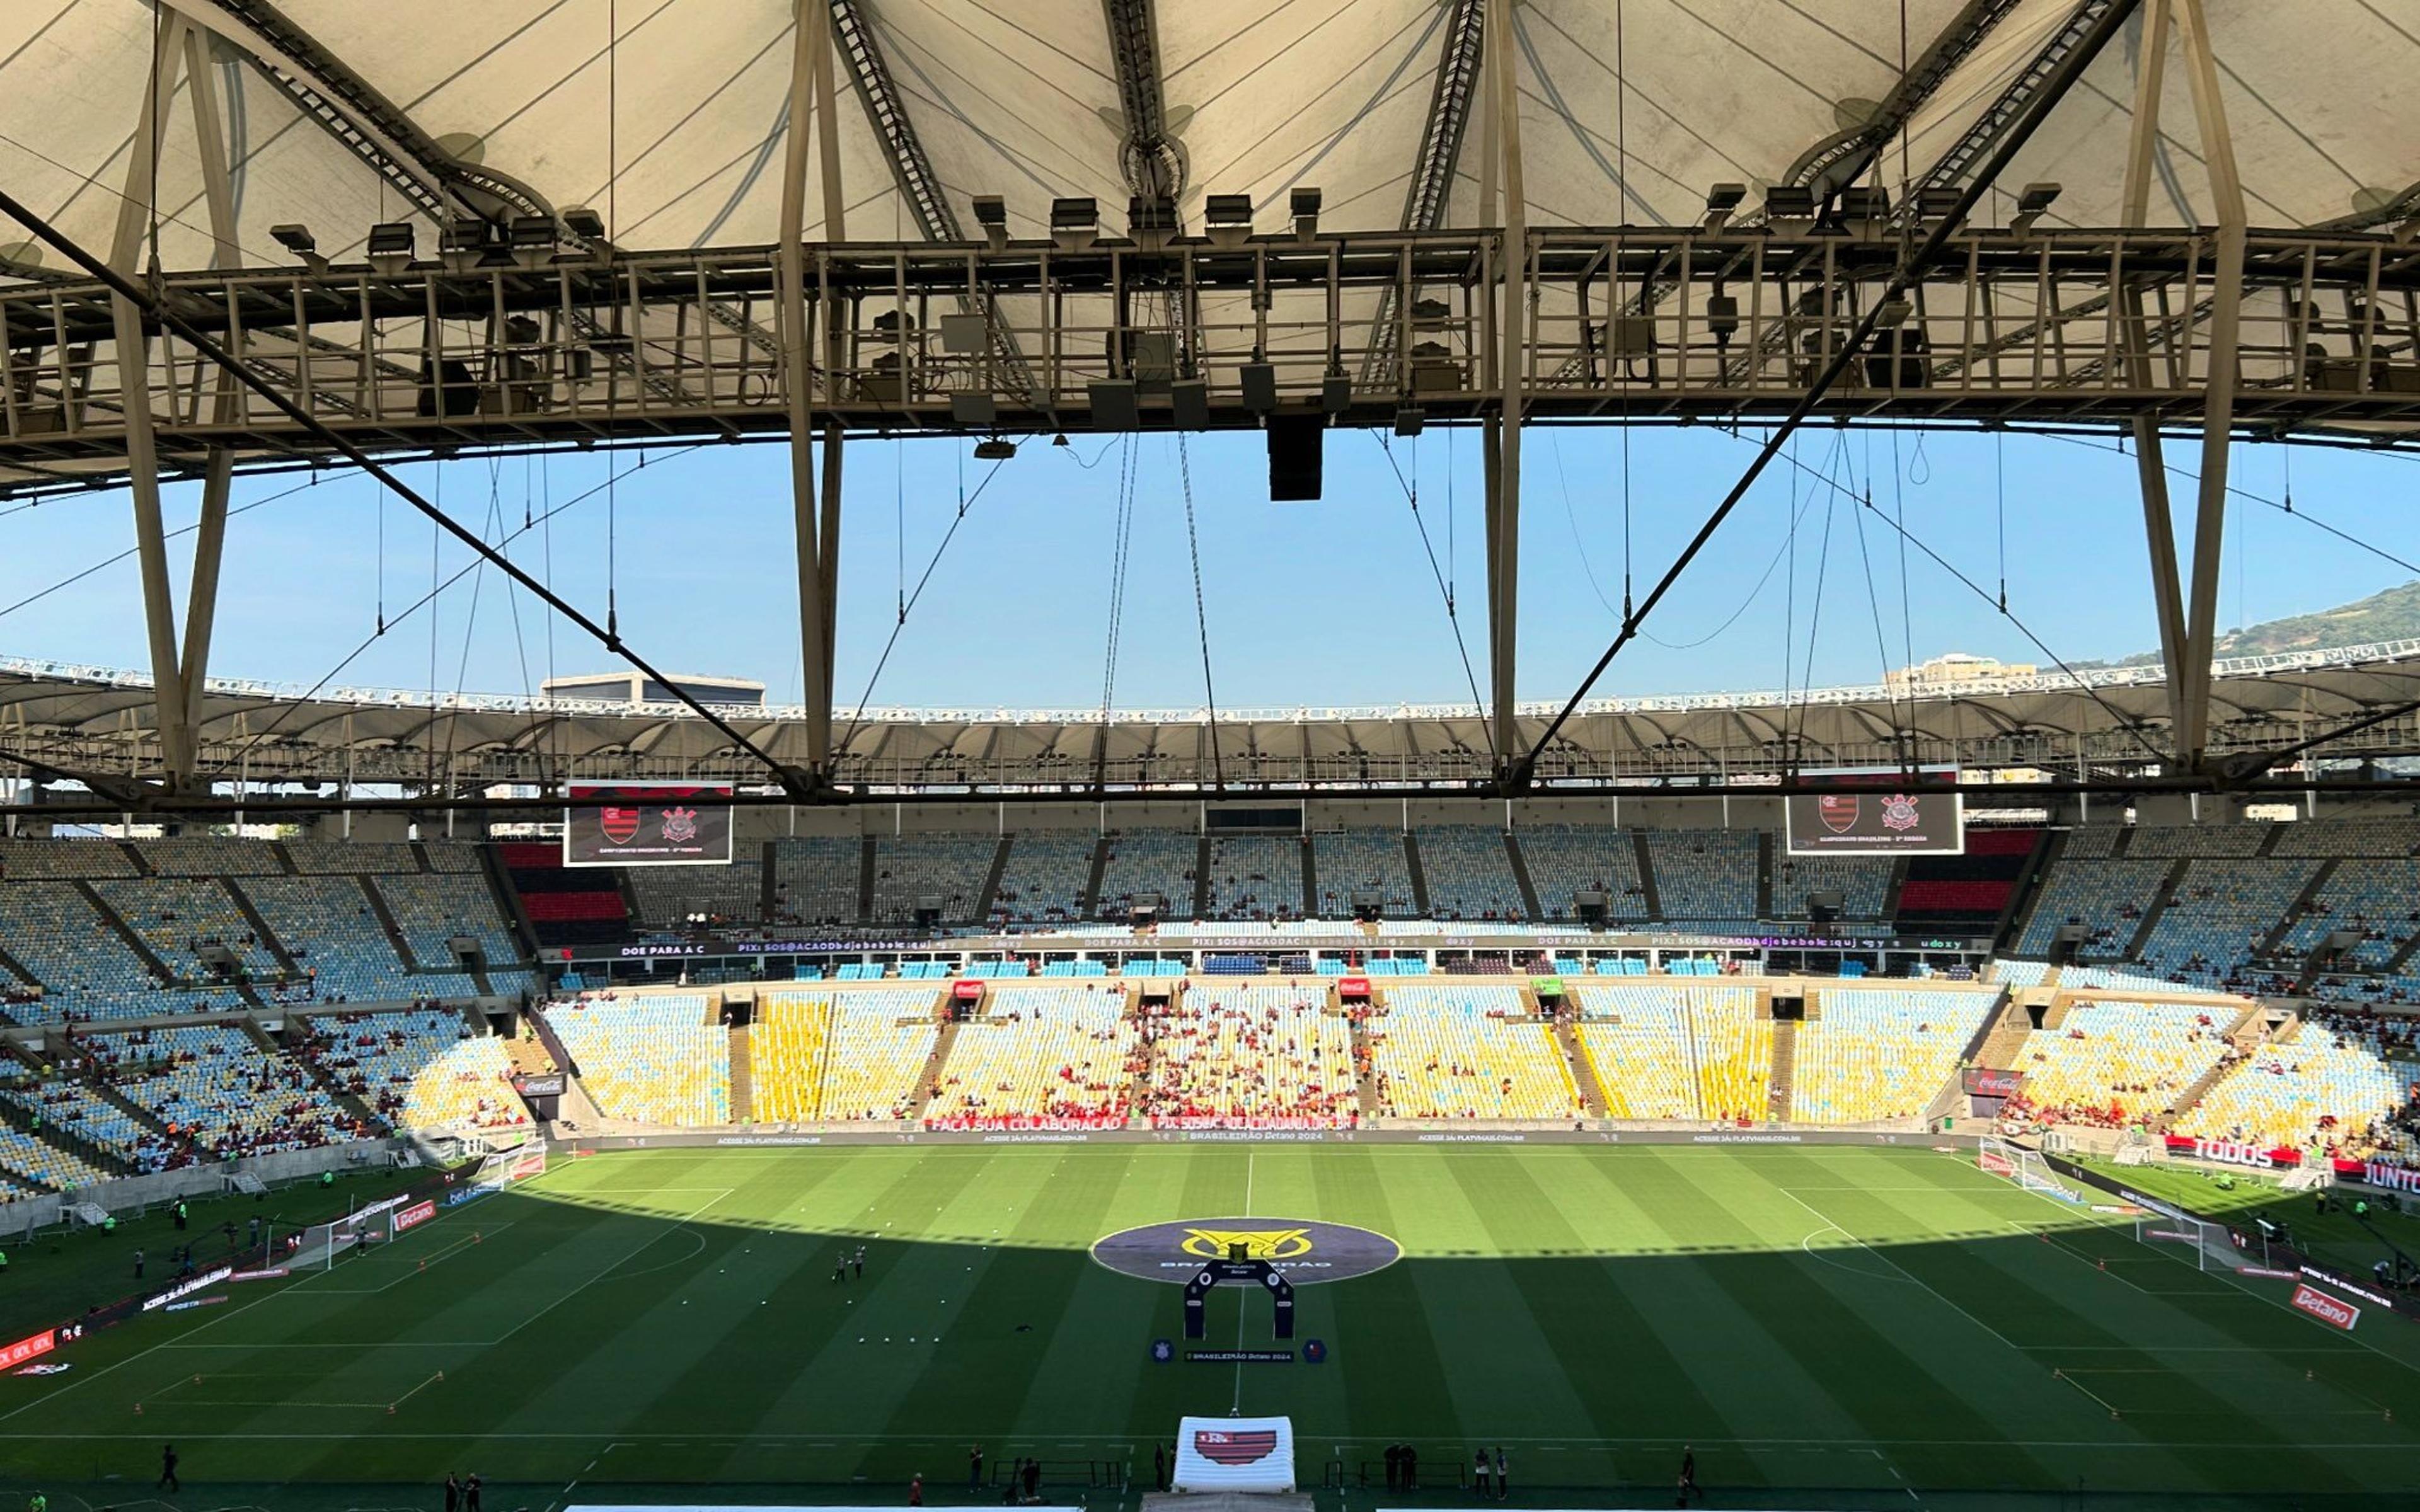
point(1789, 203)
point(462, 242)
point(2031, 202)
point(1228, 218)
point(294, 239)
point(583, 223)
point(997, 449)
point(1892, 314)
point(1936, 204)
point(391, 245)
point(1720, 201)
point(991, 214)
point(1862, 207)
point(1075, 223)
point(1303, 205)
point(1151, 219)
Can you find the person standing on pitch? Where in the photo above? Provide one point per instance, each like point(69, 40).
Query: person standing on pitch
point(1503, 1475)
point(471, 1493)
point(452, 1492)
point(1480, 1471)
point(168, 1469)
point(1411, 1468)
point(974, 1468)
point(138, 1265)
point(859, 1262)
point(1159, 1467)
point(1034, 1480)
point(1395, 1467)
point(1688, 1477)
point(915, 1490)
point(840, 1266)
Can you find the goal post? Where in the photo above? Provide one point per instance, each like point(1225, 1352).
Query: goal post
point(2212, 1247)
point(2025, 1167)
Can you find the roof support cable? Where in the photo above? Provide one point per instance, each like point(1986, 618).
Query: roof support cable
point(966, 502)
point(798, 783)
point(1201, 612)
point(1445, 584)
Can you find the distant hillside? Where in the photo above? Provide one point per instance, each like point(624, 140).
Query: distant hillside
point(2392, 615)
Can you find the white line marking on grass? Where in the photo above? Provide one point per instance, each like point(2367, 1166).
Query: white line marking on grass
point(2401, 1445)
point(420, 1264)
point(1902, 1270)
point(1236, 1410)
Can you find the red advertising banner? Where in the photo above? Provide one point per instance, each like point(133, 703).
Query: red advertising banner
point(2380, 1174)
point(966, 992)
point(413, 1216)
point(26, 1348)
point(2325, 1308)
point(1984, 1083)
point(2232, 1153)
point(1352, 986)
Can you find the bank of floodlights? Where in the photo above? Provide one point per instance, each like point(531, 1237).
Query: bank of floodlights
point(1075, 223)
point(390, 245)
point(2032, 201)
point(991, 214)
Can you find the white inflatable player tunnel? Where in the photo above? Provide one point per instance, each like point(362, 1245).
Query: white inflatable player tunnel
point(1234, 1454)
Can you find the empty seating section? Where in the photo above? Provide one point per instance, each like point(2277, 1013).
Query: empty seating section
point(652, 1059)
point(2017, 973)
point(336, 941)
point(41, 1167)
point(2107, 897)
point(2088, 840)
point(86, 971)
point(787, 1041)
point(908, 868)
point(1879, 1053)
point(214, 1086)
point(882, 1040)
point(1862, 881)
point(1045, 879)
point(2119, 980)
point(1734, 1055)
point(1637, 1045)
point(1350, 861)
point(452, 855)
point(178, 916)
point(2221, 913)
point(671, 895)
point(1455, 1053)
point(432, 910)
point(1568, 858)
point(1469, 873)
point(1233, 1054)
point(2211, 841)
point(2321, 1088)
point(208, 855)
point(1704, 873)
point(1255, 877)
point(333, 858)
point(62, 860)
point(1057, 1053)
point(2375, 898)
point(1149, 861)
point(83, 1112)
point(815, 880)
point(421, 1070)
point(2379, 838)
point(2118, 1060)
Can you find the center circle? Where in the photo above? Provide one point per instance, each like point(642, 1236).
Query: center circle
point(1305, 1251)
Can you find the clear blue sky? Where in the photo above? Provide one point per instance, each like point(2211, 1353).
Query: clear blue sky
point(1323, 603)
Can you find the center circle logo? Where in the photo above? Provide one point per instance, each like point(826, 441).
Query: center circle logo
point(1304, 1251)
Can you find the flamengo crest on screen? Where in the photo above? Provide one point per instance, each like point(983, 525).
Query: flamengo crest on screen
point(1304, 1250)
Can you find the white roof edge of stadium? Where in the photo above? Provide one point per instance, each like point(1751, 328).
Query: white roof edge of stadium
point(2040, 682)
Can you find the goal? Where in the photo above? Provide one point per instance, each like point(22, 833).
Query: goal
point(1997, 1157)
point(2214, 1248)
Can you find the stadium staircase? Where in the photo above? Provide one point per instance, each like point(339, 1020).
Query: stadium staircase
point(1091, 907)
point(2031, 883)
point(1654, 900)
point(991, 879)
point(1365, 1080)
point(386, 921)
point(1764, 881)
point(630, 892)
point(867, 869)
point(1309, 880)
point(1785, 1058)
point(16, 969)
point(1201, 904)
point(507, 899)
point(260, 930)
point(1583, 1072)
point(2295, 910)
point(126, 934)
point(744, 1077)
point(930, 1076)
point(1419, 876)
point(1521, 878)
point(2160, 901)
point(285, 858)
point(133, 854)
point(1896, 888)
point(2002, 1039)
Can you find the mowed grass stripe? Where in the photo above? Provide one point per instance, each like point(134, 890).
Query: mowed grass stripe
point(1396, 1385)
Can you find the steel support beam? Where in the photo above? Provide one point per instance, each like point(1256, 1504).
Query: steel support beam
point(1841, 158)
point(811, 36)
point(2218, 407)
point(218, 471)
point(1149, 158)
point(1430, 192)
point(1504, 497)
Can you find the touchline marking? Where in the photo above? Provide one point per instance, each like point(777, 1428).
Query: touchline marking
point(2399, 1446)
point(1242, 1308)
point(1902, 1271)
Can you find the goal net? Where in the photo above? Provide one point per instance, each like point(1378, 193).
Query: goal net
point(2015, 1163)
point(2212, 1248)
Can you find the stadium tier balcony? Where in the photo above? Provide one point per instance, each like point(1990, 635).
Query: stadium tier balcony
point(2378, 899)
point(2221, 913)
point(1350, 861)
point(82, 1111)
point(1469, 873)
point(327, 925)
point(670, 896)
point(1140, 861)
point(421, 1069)
point(1045, 879)
point(1228, 1055)
point(1705, 874)
point(2323, 1088)
point(2089, 841)
point(431, 909)
point(1568, 858)
point(62, 860)
point(1255, 878)
point(2016, 973)
point(1441, 1052)
point(1878, 1053)
point(209, 855)
point(33, 1166)
point(1056, 1052)
point(908, 868)
point(2198, 841)
point(2108, 897)
point(176, 917)
point(2117, 1061)
point(452, 855)
point(650, 1058)
point(2374, 837)
point(815, 880)
point(1862, 881)
point(86, 971)
point(341, 858)
point(213, 1085)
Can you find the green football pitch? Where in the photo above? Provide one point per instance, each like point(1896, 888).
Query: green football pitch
point(1843, 1325)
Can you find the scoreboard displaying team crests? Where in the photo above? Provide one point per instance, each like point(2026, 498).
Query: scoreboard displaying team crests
point(647, 823)
point(1878, 813)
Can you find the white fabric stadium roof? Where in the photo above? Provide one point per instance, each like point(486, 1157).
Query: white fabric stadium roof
point(676, 134)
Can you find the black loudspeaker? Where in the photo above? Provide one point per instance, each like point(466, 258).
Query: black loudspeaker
point(1294, 448)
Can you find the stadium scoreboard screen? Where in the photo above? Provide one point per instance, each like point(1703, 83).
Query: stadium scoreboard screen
point(1877, 815)
point(647, 823)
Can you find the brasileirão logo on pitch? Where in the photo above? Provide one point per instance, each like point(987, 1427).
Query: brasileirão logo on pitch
point(1303, 1250)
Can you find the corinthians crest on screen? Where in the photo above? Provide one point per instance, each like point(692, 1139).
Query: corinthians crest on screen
point(1840, 811)
point(680, 825)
